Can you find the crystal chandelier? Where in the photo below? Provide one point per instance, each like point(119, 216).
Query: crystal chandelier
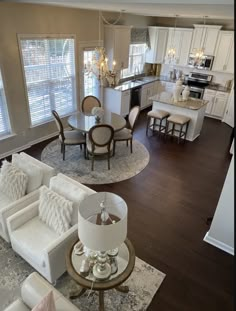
point(199, 53)
point(171, 53)
point(99, 64)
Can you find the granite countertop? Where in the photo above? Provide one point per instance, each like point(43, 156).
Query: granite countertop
point(190, 103)
point(218, 87)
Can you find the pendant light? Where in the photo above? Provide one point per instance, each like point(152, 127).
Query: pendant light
point(171, 53)
point(200, 52)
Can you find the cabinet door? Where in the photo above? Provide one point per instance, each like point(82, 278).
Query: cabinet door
point(210, 40)
point(223, 50)
point(121, 49)
point(230, 62)
point(151, 51)
point(174, 39)
point(197, 42)
point(125, 103)
point(186, 39)
point(143, 97)
point(158, 40)
point(218, 108)
point(211, 99)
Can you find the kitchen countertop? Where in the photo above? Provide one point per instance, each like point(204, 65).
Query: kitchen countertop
point(190, 103)
point(218, 87)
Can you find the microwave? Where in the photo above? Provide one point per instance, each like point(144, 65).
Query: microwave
point(206, 62)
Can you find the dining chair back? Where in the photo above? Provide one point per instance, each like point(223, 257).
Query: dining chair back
point(133, 115)
point(88, 103)
point(100, 141)
point(72, 137)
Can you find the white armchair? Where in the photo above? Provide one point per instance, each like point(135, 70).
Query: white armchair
point(42, 247)
point(8, 206)
point(33, 289)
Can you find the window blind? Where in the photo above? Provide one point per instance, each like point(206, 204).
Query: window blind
point(49, 67)
point(4, 119)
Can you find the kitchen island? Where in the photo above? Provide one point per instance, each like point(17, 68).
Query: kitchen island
point(192, 108)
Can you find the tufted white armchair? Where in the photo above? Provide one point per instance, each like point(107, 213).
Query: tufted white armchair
point(42, 247)
point(8, 206)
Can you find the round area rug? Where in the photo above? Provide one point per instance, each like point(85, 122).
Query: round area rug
point(124, 164)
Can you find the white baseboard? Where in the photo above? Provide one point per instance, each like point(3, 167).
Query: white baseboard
point(30, 144)
point(218, 244)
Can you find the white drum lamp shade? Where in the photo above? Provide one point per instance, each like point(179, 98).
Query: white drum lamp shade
point(101, 237)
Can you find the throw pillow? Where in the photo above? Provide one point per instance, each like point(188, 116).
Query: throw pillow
point(69, 191)
point(13, 181)
point(34, 172)
point(46, 304)
point(55, 210)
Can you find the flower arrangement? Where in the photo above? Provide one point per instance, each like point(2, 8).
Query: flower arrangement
point(98, 112)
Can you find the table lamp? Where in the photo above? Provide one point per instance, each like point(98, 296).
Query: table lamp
point(102, 227)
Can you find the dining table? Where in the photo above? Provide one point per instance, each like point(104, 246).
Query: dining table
point(84, 122)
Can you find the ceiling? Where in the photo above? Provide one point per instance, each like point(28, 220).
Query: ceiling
point(218, 9)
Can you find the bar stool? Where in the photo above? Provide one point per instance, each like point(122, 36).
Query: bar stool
point(156, 115)
point(182, 121)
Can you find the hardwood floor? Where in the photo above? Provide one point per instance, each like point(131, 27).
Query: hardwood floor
point(169, 202)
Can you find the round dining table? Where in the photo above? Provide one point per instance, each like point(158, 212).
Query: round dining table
point(84, 122)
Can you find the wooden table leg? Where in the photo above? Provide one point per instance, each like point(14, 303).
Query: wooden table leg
point(77, 293)
point(123, 289)
point(101, 300)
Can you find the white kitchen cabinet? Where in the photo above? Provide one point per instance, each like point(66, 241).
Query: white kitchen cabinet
point(117, 101)
point(224, 59)
point(116, 43)
point(155, 54)
point(146, 92)
point(217, 103)
point(181, 39)
point(205, 36)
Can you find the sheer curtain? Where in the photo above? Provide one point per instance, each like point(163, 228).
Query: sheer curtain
point(5, 128)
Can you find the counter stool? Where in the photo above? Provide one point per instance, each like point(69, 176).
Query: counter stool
point(182, 121)
point(156, 115)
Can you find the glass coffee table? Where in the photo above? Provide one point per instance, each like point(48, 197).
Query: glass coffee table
point(125, 261)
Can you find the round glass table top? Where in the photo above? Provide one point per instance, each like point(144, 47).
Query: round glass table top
point(84, 122)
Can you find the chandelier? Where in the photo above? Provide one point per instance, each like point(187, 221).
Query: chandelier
point(171, 53)
point(99, 64)
point(199, 53)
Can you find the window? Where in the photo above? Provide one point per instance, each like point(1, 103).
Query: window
point(136, 60)
point(91, 84)
point(49, 67)
point(5, 128)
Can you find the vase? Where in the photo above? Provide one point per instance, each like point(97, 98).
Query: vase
point(186, 93)
point(97, 119)
point(177, 90)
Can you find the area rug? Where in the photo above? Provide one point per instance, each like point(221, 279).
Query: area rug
point(124, 164)
point(143, 284)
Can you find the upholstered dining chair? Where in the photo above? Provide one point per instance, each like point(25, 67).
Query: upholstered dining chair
point(88, 103)
point(72, 137)
point(100, 142)
point(126, 134)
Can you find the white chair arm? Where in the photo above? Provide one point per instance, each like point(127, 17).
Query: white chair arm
point(20, 218)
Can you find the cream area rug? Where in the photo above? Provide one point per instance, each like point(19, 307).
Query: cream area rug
point(143, 283)
point(124, 164)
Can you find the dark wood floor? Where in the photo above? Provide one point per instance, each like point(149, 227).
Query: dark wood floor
point(169, 202)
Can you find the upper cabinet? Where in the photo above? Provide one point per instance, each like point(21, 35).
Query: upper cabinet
point(158, 40)
point(181, 39)
point(116, 43)
point(224, 59)
point(205, 36)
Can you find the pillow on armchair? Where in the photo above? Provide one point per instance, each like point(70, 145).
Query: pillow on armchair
point(13, 181)
point(55, 210)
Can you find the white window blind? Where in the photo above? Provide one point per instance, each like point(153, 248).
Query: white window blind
point(49, 67)
point(5, 128)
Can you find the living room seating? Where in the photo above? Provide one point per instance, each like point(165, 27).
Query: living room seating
point(88, 103)
point(37, 242)
point(38, 174)
point(72, 137)
point(126, 134)
point(33, 289)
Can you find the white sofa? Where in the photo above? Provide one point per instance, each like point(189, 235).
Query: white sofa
point(33, 289)
point(36, 242)
point(8, 207)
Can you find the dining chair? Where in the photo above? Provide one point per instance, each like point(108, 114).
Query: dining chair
point(100, 142)
point(88, 103)
point(126, 134)
point(72, 137)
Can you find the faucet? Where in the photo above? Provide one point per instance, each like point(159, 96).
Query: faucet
point(136, 72)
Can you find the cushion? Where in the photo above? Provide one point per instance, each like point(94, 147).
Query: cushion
point(158, 114)
point(179, 119)
point(46, 304)
point(13, 181)
point(69, 191)
point(34, 172)
point(55, 210)
point(17, 305)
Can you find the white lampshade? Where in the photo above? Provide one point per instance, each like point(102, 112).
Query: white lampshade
point(100, 237)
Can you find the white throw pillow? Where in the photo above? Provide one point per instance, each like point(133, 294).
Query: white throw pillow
point(55, 210)
point(13, 181)
point(34, 172)
point(69, 191)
